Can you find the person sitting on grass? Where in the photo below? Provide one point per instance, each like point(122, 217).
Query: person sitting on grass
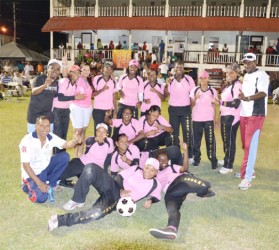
point(37, 163)
point(177, 184)
point(98, 151)
point(124, 156)
point(133, 182)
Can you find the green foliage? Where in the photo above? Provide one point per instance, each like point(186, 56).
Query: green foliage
point(233, 219)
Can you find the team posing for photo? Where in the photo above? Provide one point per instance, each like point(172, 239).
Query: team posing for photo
point(132, 156)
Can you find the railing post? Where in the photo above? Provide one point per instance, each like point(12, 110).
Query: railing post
point(130, 8)
point(204, 8)
point(51, 9)
point(72, 11)
point(167, 6)
point(241, 14)
point(268, 9)
point(97, 10)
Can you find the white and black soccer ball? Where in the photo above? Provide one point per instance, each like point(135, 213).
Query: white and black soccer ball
point(126, 206)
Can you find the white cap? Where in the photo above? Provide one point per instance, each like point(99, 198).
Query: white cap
point(52, 61)
point(249, 57)
point(153, 162)
point(102, 125)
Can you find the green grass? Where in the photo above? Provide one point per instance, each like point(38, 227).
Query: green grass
point(233, 219)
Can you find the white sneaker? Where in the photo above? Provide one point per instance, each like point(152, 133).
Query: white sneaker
point(245, 184)
point(238, 175)
point(191, 160)
point(223, 170)
point(221, 162)
point(71, 205)
point(52, 222)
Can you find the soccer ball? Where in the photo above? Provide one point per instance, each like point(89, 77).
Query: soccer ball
point(126, 206)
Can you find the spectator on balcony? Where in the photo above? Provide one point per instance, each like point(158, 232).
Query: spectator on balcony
point(125, 45)
point(118, 46)
point(80, 46)
point(161, 50)
point(135, 46)
point(144, 47)
point(111, 45)
point(99, 44)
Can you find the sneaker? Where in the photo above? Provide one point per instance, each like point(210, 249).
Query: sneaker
point(164, 234)
point(196, 163)
point(244, 184)
point(221, 162)
point(238, 175)
point(191, 160)
point(67, 183)
point(52, 222)
point(214, 166)
point(210, 193)
point(71, 205)
point(223, 170)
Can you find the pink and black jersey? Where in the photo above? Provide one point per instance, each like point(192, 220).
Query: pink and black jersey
point(180, 91)
point(203, 110)
point(168, 175)
point(67, 89)
point(117, 164)
point(83, 87)
point(152, 96)
point(140, 187)
point(229, 94)
point(146, 127)
point(131, 129)
point(104, 100)
point(131, 89)
point(96, 152)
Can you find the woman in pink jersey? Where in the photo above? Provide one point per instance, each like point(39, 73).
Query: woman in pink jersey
point(153, 92)
point(81, 109)
point(130, 87)
point(127, 125)
point(155, 131)
point(230, 116)
point(61, 103)
point(203, 100)
point(124, 156)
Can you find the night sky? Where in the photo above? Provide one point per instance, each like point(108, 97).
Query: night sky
point(31, 15)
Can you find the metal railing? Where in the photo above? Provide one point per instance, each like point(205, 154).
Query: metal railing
point(255, 11)
point(185, 11)
point(233, 11)
point(84, 11)
point(114, 11)
point(149, 10)
point(274, 12)
point(189, 56)
point(61, 11)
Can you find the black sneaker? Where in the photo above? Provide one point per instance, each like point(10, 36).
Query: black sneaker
point(214, 166)
point(167, 233)
point(67, 183)
point(196, 163)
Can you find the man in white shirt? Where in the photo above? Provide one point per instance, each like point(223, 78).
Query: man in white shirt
point(37, 163)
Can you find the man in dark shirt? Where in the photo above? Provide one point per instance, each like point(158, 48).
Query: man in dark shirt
point(44, 89)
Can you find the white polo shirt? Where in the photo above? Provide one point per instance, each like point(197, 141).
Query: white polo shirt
point(253, 83)
point(32, 152)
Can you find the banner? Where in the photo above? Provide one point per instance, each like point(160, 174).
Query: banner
point(121, 58)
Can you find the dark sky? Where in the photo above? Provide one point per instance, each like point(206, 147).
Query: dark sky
point(31, 15)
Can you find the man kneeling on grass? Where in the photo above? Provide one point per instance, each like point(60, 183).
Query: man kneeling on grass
point(133, 182)
point(177, 184)
point(37, 163)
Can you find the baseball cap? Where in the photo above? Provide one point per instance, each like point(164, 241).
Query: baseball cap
point(249, 57)
point(203, 74)
point(153, 162)
point(52, 61)
point(108, 64)
point(134, 63)
point(74, 68)
point(102, 125)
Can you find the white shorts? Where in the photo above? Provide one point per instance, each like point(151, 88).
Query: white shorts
point(80, 117)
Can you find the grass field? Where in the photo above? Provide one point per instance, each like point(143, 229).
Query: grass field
point(233, 219)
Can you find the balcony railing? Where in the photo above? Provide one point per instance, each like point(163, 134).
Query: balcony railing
point(229, 11)
point(233, 11)
point(149, 10)
point(255, 11)
point(222, 58)
point(185, 11)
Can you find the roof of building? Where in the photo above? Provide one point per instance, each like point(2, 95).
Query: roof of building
point(162, 23)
